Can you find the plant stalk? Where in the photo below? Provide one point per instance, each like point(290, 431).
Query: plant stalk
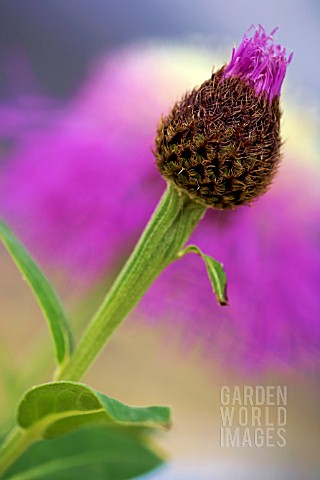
point(169, 228)
point(166, 233)
point(14, 446)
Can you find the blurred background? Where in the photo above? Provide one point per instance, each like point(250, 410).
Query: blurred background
point(82, 85)
point(60, 38)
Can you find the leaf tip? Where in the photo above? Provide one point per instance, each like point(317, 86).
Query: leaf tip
point(223, 300)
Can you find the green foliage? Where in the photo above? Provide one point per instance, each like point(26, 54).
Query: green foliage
point(55, 408)
point(215, 272)
point(44, 293)
point(93, 452)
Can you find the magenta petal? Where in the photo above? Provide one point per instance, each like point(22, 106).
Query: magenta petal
point(260, 62)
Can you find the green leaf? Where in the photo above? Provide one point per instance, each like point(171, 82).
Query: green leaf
point(215, 272)
point(93, 452)
point(44, 293)
point(56, 408)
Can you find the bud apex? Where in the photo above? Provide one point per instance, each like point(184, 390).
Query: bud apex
point(221, 143)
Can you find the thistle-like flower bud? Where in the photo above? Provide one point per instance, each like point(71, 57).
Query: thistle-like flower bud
point(221, 143)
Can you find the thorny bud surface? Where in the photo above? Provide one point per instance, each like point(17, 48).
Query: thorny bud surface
point(221, 143)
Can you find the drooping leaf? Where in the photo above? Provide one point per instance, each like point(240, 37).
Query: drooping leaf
point(215, 272)
point(59, 407)
point(44, 293)
point(95, 452)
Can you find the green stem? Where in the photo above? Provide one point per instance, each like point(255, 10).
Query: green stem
point(166, 233)
point(17, 442)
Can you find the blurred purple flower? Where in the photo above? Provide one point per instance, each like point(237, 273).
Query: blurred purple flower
point(80, 191)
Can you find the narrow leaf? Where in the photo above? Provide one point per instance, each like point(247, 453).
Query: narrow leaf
point(215, 272)
point(44, 293)
point(59, 407)
point(93, 452)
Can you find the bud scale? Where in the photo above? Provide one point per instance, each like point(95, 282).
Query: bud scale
point(221, 143)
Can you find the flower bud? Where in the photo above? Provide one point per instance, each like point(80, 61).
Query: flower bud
point(221, 143)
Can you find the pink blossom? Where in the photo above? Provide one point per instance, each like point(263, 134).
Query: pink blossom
point(259, 62)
